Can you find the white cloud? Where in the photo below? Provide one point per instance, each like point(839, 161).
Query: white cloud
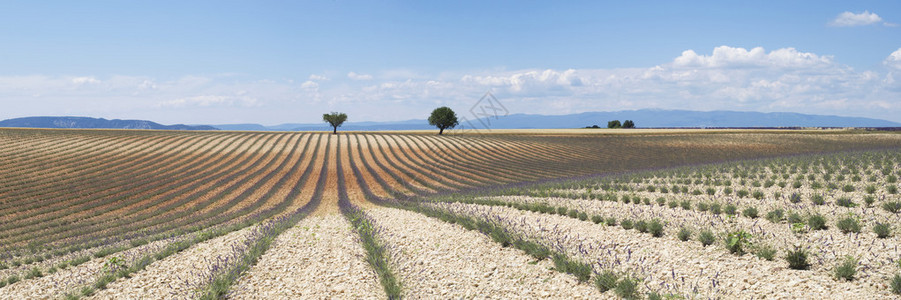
point(732, 57)
point(318, 77)
point(309, 84)
point(85, 80)
point(849, 19)
point(209, 101)
point(355, 76)
point(893, 60)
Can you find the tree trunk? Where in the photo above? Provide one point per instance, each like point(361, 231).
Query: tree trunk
point(335, 131)
point(440, 130)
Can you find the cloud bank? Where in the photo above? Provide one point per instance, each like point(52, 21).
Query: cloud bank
point(726, 78)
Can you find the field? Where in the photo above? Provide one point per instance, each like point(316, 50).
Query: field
point(516, 214)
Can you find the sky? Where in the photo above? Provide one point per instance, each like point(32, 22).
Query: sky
point(273, 62)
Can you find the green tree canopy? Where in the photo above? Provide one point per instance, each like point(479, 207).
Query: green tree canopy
point(628, 124)
point(335, 119)
point(443, 118)
point(614, 124)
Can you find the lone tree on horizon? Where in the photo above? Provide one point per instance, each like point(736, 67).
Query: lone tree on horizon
point(443, 118)
point(335, 119)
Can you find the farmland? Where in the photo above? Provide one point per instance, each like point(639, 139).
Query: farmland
point(164, 214)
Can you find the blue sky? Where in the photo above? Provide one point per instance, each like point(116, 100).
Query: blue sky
point(276, 62)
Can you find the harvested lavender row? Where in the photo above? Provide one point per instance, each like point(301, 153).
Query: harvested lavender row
point(666, 265)
point(438, 260)
point(317, 258)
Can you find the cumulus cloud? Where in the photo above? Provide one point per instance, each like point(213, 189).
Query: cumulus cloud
point(85, 80)
point(849, 19)
point(893, 60)
point(355, 76)
point(730, 57)
point(318, 77)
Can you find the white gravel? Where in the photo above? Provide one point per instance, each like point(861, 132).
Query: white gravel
point(319, 258)
point(438, 260)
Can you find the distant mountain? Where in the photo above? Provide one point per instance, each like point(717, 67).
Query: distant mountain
point(85, 122)
point(643, 118)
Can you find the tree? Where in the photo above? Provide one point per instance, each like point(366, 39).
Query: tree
point(628, 124)
point(335, 119)
point(443, 118)
point(614, 124)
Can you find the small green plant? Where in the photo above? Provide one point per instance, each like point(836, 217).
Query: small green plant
point(896, 284)
point(684, 234)
point(816, 222)
point(848, 188)
point(892, 206)
point(848, 225)
point(702, 206)
point(750, 212)
point(685, 204)
point(672, 204)
point(757, 195)
point(655, 227)
point(892, 189)
point(611, 221)
point(606, 280)
point(882, 230)
point(794, 198)
point(794, 217)
point(641, 226)
point(868, 200)
point(627, 288)
point(661, 201)
point(817, 199)
point(716, 208)
point(626, 224)
point(34, 272)
point(738, 241)
point(597, 219)
point(765, 251)
point(561, 211)
point(775, 215)
point(845, 202)
point(797, 259)
point(706, 238)
point(12, 279)
point(566, 265)
point(742, 193)
point(846, 269)
point(730, 209)
point(871, 189)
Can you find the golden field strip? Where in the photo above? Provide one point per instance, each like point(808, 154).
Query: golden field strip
point(87, 213)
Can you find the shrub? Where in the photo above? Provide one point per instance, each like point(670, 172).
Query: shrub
point(702, 206)
point(672, 204)
point(796, 184)
point(848, 225)
point(573, 213)
point(636, 200)
point(564, 264)
point(684, 234)
point(846, 269)
point(12, 279)
point(727, 191)
point(848, 188)
point(882, 230)
point(845, 202)
point(868, 200)
point(794, 198)
point(750, 212)
point(661, 201)
point(757, 195)
point(766, 252)
point(627, 288)
point(641, 226)
point(34, 273)
point(655, 227)
point(711, 191)
point(561, 211)
point(597, 219)
point(794, 218)
point(606, 281)
point(611, 221)
point(871, 189)
point(817, 222)
point(730, 209)
point(716, 208)
point(685, 204)
point(817, 199)
point(626, 224)
point(742, 193)
point(797, 259)
point(892, 189)
point(775, 215)
point(892, 206)
point(583, 216)
point(706, 238)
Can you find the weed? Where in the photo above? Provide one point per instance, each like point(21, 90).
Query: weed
point(738, 241)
